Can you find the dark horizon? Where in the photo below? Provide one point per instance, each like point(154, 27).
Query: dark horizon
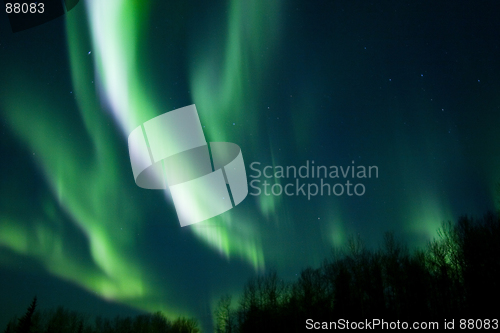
point(449, 280)
point(410, 88)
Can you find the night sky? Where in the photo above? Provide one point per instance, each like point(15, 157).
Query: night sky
point(409, 87)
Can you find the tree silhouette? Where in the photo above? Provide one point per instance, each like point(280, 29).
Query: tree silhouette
point(25, 322)
point(455, 275)
point(185, 325)
point(224, 318)
point(66, 321)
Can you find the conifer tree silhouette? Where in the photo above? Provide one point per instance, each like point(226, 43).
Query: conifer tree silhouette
point(455, 275)
point(25, 322)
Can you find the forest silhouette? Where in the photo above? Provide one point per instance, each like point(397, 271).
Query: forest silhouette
point(455, 276)
point(62, 320)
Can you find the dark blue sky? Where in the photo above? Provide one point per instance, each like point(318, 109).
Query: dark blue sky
point(411, 88)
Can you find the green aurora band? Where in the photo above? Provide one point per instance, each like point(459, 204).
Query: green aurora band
point(225, 81)
point(104, 204)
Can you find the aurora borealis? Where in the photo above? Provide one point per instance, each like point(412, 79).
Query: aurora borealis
point(408, 87)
